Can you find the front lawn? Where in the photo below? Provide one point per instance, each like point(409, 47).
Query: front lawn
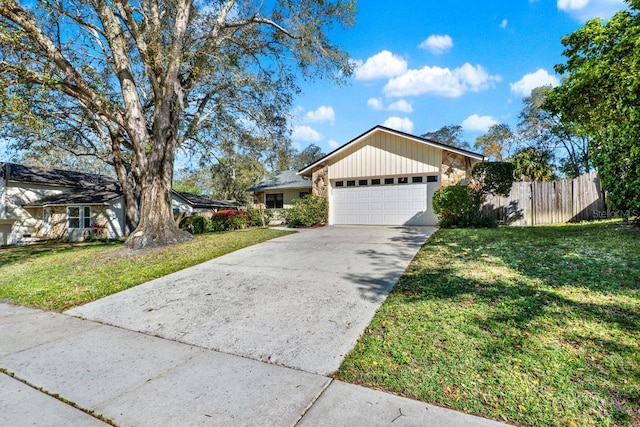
point(534, 326)
point(63, 275)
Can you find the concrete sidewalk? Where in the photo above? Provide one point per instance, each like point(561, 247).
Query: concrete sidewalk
point(133, 379)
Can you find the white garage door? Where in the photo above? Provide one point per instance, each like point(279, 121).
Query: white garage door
point(401, 204)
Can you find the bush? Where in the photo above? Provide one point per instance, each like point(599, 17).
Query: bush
point(229, 220)
point(456, 205)
point(256, 216)
point(493, 177)
point(307, 212)
point(196, 224)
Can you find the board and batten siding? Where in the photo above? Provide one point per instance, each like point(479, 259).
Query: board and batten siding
point(383, 154)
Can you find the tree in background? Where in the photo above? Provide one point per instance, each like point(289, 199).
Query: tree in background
point(306, 157)
point(141, 80)
point(448, 135)
point(543, 129)
point(600, 94)
point(532, 164)
point(497, 142)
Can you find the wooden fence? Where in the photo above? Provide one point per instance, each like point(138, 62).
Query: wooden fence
point(552, 202)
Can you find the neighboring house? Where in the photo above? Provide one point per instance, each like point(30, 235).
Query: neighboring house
point(183, 202)
point(39, 204)
point(387, 177)
point(279, 191)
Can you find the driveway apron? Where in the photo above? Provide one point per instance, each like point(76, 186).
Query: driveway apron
point(300, 301)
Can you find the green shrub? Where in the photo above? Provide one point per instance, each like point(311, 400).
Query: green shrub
point(493, 177)
point(256, 216)
point(196, 224)
point(307, 212)
point(229, 220)
point(456, 205)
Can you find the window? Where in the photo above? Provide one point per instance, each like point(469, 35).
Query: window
point(375, 182)
point(363, 182)
point(432, 178)
point(339, 183)
point(86, 217)
point(79, 217)
point(403, 180)
point(303, 194)
point(416, 179)
point(388, 181)
point(274, 201)
point(351, 183)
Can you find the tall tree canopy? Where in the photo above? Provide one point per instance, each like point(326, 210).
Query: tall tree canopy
point(306, 156)
point(449, 135)
point(497, 142)
point(543, 129)
point(601, 94)
point(139, 80)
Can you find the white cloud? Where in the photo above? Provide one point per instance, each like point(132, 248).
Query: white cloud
point(380, 66)
point(399, 123)
point(528, 82)
point(322, 114)
point(401, 106)
point(504, 24)
point(476, 123)
point(306, 133)
point(437, 44)
point(583, 10)
point(438, 81)
point(333, 144)
point(375, 104)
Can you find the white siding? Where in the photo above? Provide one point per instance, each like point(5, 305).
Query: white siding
point(383, 154)
point(17, 194)
point(178, 204)
point(114, 217)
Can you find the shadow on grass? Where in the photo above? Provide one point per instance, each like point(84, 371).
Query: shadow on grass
point(548, 306)
point(16, 254)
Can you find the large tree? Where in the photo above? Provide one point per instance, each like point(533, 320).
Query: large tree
point(542, 128)
point(497, 142)
point(449, 135)
point(306, 156)
point(143, 79)
point(600, 93)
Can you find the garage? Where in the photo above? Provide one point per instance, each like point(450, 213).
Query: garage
point(398, 204)
point(387, 177)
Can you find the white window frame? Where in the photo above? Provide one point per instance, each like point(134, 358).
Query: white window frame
point(84, 214)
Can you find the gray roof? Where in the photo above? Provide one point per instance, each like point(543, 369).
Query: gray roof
point(89, 188)
point(57, 177)
point(284, 180)
point(200, 202)
point(82, 196)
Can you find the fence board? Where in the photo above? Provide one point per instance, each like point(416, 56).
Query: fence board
point(552, 202)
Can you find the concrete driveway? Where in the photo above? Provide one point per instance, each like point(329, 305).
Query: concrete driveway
point(300, 301)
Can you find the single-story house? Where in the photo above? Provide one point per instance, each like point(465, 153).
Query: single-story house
point(279, 191)
point(190, 203)
point(387, 177)
point(40, 204)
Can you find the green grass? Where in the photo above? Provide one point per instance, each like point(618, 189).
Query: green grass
point(63, 275)
point(534, 326)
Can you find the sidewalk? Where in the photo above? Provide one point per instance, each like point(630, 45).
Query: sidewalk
point(133, 379)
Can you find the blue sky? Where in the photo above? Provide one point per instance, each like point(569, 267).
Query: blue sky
point(423, 64)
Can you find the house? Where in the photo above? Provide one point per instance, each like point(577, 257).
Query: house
point(279, 191)
point(189, 203)
point(40, 204)
point(387, 177)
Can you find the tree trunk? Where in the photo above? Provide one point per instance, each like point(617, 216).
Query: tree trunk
point(157, 226)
